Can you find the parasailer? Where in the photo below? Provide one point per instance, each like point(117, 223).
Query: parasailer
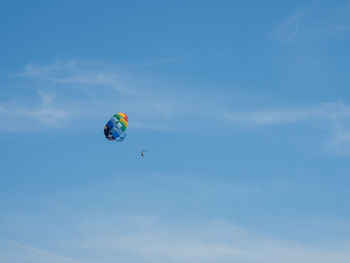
point(116, 127)
point(143, 153)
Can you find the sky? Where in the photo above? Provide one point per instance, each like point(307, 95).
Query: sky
point(243, 106)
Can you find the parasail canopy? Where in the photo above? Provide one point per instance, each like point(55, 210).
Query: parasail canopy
point(116, 127)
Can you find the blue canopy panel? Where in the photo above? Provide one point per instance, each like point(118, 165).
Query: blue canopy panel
point(116, 128)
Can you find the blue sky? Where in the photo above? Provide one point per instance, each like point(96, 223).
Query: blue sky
point(243, 106)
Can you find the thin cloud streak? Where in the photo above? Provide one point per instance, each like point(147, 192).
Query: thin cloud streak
point(339, 143)
point(72, 71)
point(82, 89)
point(25, 118)
point(44, 254)
point(162, 105)
point(313, 22)
point(289, 29)
point(96, 79)
point(216, 241)
point(335, 117)
point(326, 111)
point(145, 105)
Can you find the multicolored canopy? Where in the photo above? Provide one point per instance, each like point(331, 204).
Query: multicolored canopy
point(116, 127)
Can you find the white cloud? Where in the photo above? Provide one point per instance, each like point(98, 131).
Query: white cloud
point(17, 252)
point(334, 118)
point(71, 71)
point(113, 234)
point(92, 91)
point(27, 118)
point(161, 62)
point(202, 242)
point(158, 108)
point(289, 29)
point(315, 21)
point(339, 142)
point(82, 91)
point(325, 111)
point(32, 70)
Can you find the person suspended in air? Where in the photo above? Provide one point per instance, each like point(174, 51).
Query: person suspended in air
point(143, 153)
point(115, 129)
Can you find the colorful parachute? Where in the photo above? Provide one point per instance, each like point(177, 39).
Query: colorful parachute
point(116, 127)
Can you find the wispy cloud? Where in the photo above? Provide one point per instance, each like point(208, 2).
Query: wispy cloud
point(113, 233)
point(339, 142)
point(95, 90)
point(289, 29)
point(82, 90)
point(73, 90)
point(32, 70)
point(325, 111)
point(215, 241)
point(145, 239)
point(27, 118)
point(159, 62)
point(161, 106)
point(332, 117)
point(74, 72)
point(315, 21)
point(27, 253)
